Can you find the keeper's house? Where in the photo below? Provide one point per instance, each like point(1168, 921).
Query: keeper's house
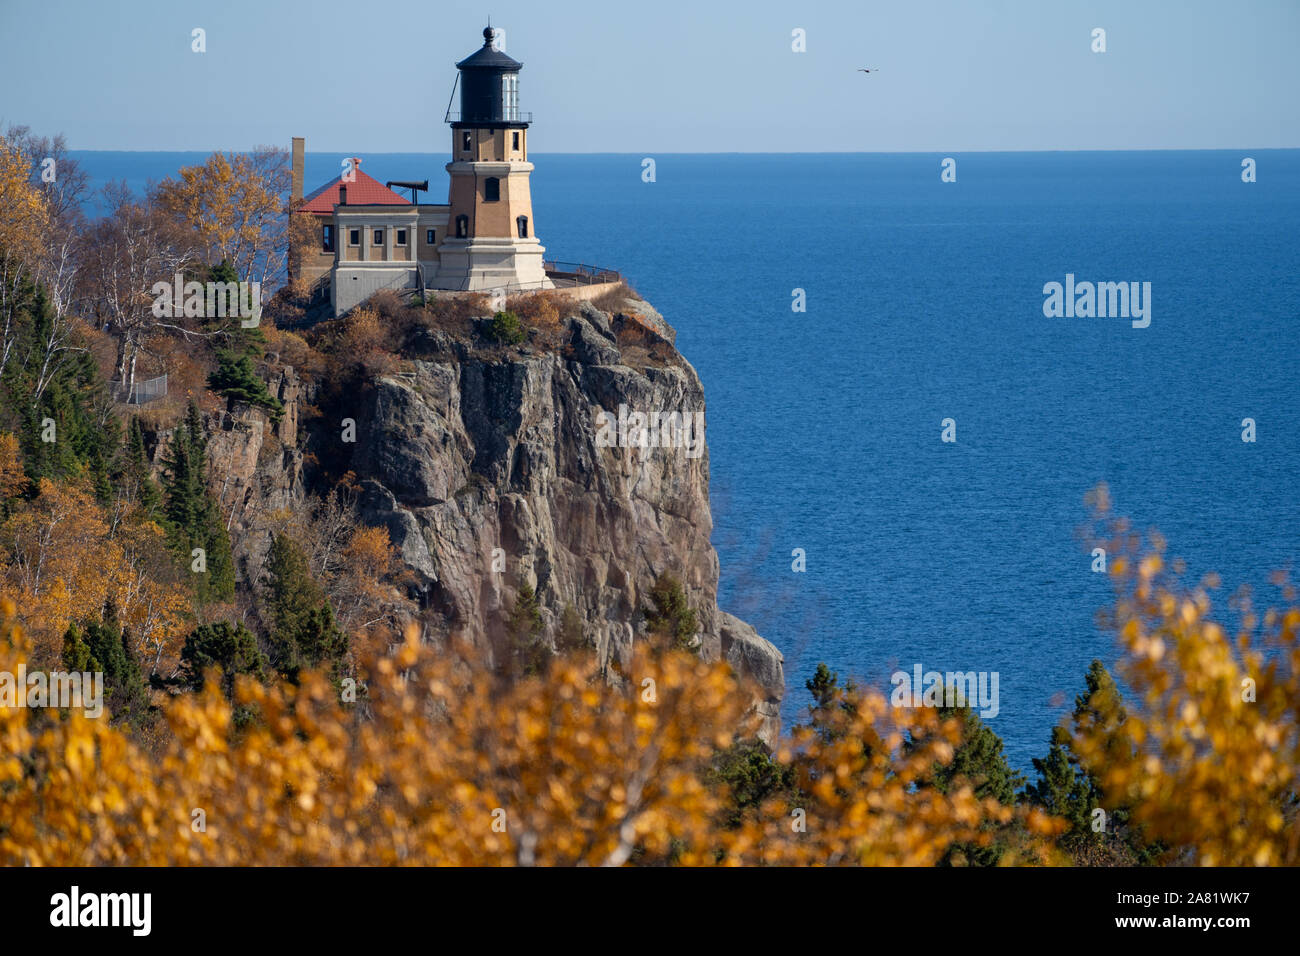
point(366, 237)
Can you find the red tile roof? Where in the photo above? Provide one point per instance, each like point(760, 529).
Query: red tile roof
point(366, 190)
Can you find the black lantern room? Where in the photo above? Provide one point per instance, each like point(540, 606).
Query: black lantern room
point(489, 89)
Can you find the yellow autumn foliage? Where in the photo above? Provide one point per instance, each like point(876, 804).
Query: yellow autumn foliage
point(1208, 752)
point(232, 202)
point(439, 761)
point(25, 213)
point(61, 561)
point(443, 763)
point(13, 479)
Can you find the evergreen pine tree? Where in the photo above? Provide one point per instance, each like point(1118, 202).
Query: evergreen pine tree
point(236, 379)
point(572, 636)
point(292, 594)
point(978, 759)
point(321, 642)
point(1063, 789)
point(230, 647)
point(669, 616)
point(104, 646)
point(135, 473)
point(76, 656)
point(832, 706)
point(191, 514)
point(183, 483)
point(68, 396)
point(251, 340)
point(197, 435)
point(303, 630)
point(828, 696)
point(223, 272)
point(751, 777)
point(1066, 789)
point(524, 628)
point(101, 482)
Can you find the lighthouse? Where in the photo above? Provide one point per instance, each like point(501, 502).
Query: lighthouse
point(360, 237)
point(490, 239)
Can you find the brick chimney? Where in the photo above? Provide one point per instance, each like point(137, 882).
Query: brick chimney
point(295, 187)
point(295, 200)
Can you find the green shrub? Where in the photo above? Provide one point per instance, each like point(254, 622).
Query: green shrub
point(506, 329)
point(670, 617)
point(524, 627)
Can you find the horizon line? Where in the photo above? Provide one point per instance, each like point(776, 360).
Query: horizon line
point(734, 152)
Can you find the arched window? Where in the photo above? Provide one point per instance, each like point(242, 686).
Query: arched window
point(462, 227)
point(491, 189)
point(522, 224)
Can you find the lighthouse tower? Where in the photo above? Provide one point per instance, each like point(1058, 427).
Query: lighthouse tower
point(490, 240)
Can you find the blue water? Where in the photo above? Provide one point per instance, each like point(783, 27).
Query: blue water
point(924, 303)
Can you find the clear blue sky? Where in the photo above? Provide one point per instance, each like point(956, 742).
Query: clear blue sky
point(664, 76)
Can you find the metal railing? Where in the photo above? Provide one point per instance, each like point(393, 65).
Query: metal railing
point(566, 275)
point(558, 275)
point(142, 392)
point(580, 272)
point(518, 116)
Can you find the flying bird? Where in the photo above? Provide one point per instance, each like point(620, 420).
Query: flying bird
point(868, 71)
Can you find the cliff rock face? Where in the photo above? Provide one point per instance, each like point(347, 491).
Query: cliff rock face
point(254, 466)
point(479, 460)
point(490, 469)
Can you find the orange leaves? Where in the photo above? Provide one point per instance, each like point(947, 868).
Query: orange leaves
point(537, 309)
point(868, 799)
point(62, 561)
point(364, 333)
point(25, 214)
point(505, 777)
point(13, 480)
point(452, 766)
point(56, 557)
point(443, 762)
point(1209, 753)
point(369, 553)
point(233, 204)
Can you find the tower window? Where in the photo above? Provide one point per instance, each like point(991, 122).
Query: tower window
point(378, 238)
point(400, 239)
point(491, 189)
point(327, 238)
point(429, 236)
point(516, 135)
point(354, 237)
point(510, 95)
point(462, 227)
point(521, 223)
point(466, 141)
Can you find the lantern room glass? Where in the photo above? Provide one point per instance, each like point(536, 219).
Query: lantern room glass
point(510, 96)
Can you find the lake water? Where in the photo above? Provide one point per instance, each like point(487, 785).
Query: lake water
point(925, 302)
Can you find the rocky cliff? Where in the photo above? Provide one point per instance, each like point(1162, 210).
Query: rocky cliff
point(489, 469)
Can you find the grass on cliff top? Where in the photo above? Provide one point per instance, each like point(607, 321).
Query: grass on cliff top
point(375, 338)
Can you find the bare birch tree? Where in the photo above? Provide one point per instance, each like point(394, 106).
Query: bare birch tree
point(135, 246)
point(55, 254)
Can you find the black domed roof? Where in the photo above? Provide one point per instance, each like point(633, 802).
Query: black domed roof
point(488, 58)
